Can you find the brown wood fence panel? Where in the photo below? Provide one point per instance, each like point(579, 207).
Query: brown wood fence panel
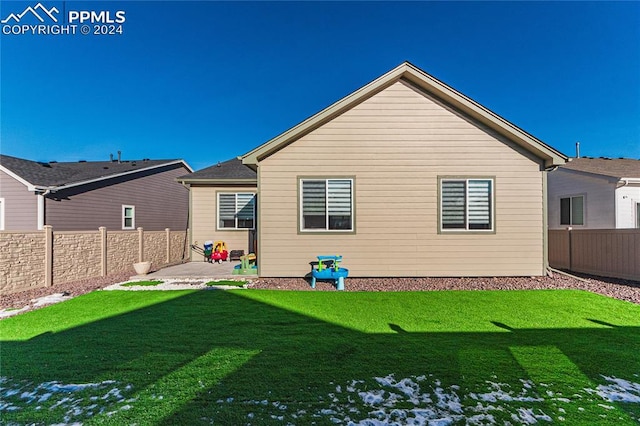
point(559, 249)
point(604, 252)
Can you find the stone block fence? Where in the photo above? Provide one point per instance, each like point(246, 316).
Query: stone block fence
point(47, 258)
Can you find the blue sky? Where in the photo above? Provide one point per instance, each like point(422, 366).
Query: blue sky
point(207, 81)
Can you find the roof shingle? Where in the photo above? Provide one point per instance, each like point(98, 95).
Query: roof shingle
point(54, 174)
point(617, 168)
point(231, 170)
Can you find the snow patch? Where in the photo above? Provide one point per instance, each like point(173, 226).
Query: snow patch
point(619, 390)
point(52, 298)
point(425, 400)
point(77, 400)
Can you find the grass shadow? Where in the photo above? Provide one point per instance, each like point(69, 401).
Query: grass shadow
point(236, 359)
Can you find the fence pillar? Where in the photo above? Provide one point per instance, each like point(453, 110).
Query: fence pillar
point(48, 255)
point(140, 245)
point(103, 251)
point(168, 232)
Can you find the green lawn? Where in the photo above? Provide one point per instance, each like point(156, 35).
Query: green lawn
point(271, 357)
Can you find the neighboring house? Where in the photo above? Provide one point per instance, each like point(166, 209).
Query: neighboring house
point(85, 195)
point(595, 193)
point(403, 177)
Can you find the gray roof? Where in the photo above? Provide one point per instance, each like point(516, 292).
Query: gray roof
point(56, 174)
point(612, 167)
point(230, 170)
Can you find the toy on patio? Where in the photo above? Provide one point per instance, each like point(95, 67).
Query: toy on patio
point(247, 265)
point(328, 268)
point(206, 252)
point(220, 252)
point(212, 252)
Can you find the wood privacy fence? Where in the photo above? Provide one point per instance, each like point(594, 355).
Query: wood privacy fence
point(46, 258)
point(603, 252)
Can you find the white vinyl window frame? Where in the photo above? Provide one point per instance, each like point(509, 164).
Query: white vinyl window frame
point(331, 200)
point(128, 217)
point(469, 207)
point(572, 210)
point(241, 209)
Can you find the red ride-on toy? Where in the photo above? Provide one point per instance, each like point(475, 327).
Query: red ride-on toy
point(220, 253)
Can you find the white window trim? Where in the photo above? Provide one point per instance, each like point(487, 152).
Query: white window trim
point(235, 228)
point(2, 222)
point(326, 194)
point(466, 230)
point(133, 221)
point(584, 209)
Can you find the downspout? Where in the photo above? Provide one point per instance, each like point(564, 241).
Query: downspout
point(545, 222)
point(41, 208)
point(625, 182)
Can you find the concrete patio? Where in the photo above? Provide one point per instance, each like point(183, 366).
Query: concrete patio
point(198, 270)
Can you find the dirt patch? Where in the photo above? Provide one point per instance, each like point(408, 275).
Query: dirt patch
point(76, 288)
point(619, 289)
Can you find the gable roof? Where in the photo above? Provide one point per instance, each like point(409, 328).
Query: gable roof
point(58, 175)
point(230, 171)
point(407, 71)
point(620, 168)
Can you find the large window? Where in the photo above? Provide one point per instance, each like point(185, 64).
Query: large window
point(236, 210)
point(572, 210)
point(128, 217)
point(466, 204)
point(326, 204)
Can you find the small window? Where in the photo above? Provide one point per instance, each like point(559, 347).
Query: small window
point(326, 204)
point(466, 204)
point(128, 217)
point(236, 210)
point(572, 210)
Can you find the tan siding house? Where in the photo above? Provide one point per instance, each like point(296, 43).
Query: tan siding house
point(404, 177)
point(205, 225)
point(208, 221)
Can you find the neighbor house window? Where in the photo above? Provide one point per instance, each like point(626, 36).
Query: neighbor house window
point(128, 217)
point(326, 204)
point(572, 210)
point(236, 210)
point(466, 204)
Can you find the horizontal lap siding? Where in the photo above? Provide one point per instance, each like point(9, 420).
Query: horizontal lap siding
point(203, 205)
point(599, 193)
point(20, 205)
point(396, 144)
point(160, 202)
